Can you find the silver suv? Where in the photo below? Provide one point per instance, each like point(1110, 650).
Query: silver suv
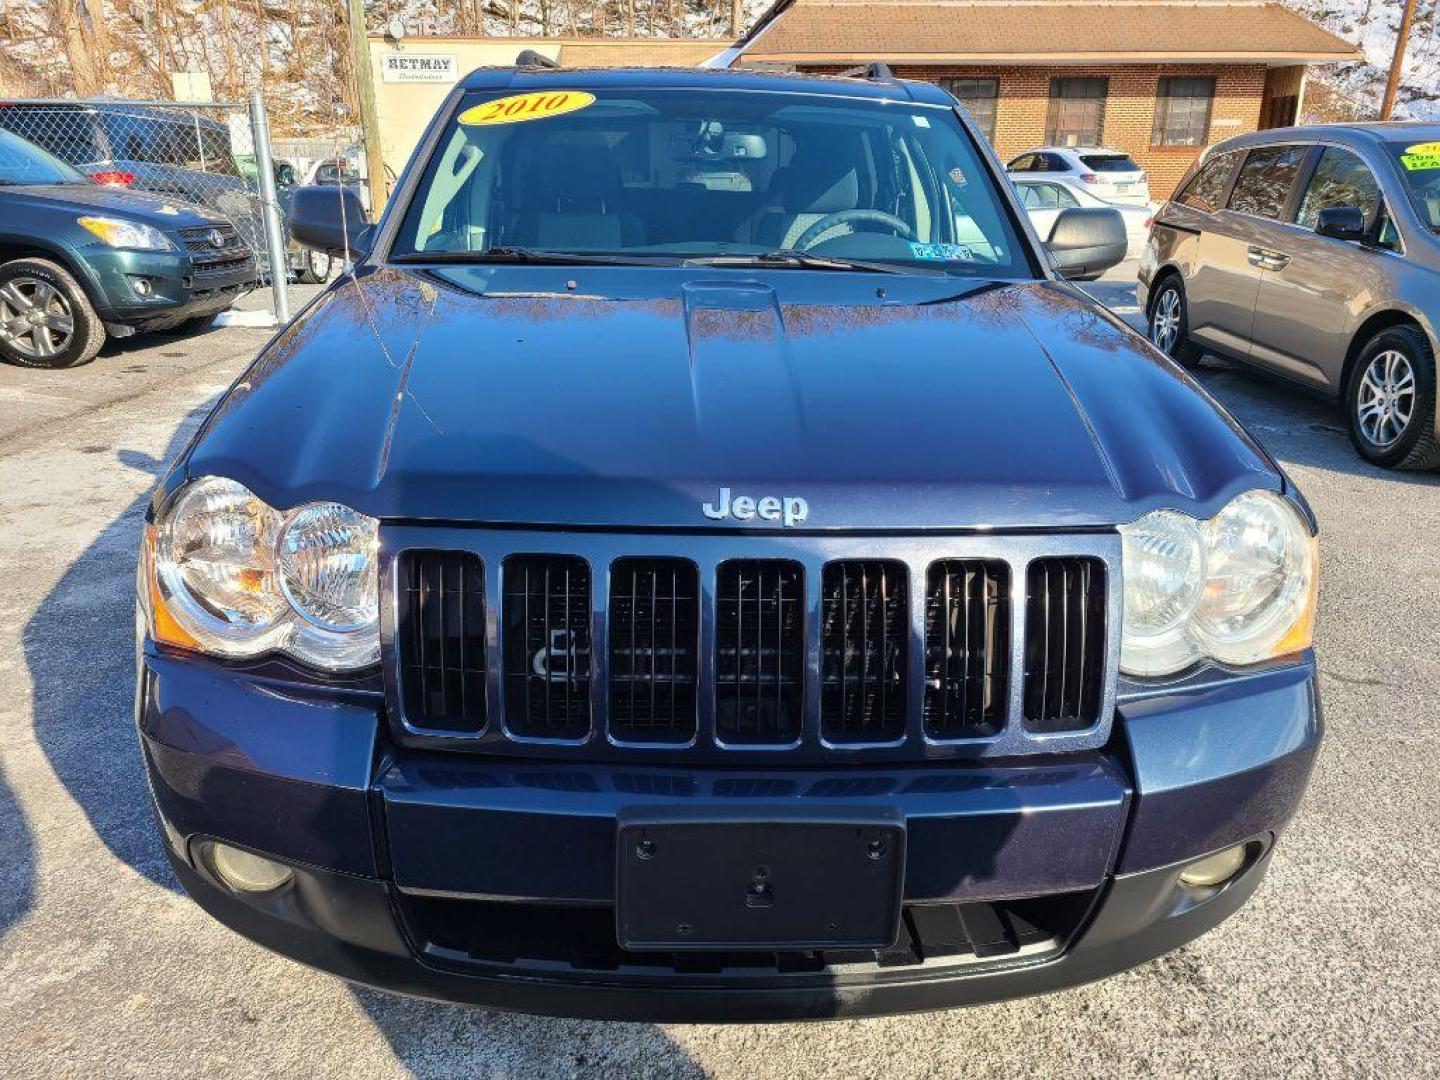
point(1313, 253)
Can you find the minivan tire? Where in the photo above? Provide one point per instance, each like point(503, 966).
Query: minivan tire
point(87, 332)
point(1179, 348)
point(1417, 447)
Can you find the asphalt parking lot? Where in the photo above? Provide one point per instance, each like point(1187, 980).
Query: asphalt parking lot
point(107, 969)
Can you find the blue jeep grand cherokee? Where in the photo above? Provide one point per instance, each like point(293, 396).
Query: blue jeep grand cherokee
point(704, 563)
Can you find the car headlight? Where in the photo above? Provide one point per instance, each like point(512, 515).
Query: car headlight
point(1239, 588)
point(227, 574)
point(118, 233)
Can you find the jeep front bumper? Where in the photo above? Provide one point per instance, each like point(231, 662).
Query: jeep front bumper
point(492, 881)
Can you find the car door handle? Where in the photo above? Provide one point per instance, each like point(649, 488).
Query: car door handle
point(1267, 259)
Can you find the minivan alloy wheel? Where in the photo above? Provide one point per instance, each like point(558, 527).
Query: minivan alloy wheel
point(35, 317)
point(1387, 398)
point(1165, 320)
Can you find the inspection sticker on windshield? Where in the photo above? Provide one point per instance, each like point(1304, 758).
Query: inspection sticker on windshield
point(942, 252)
point(1421, 157)
point(521, 107)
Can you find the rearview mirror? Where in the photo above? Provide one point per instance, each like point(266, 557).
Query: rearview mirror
point(329, 219)
point(1341, 223)
point(1086, 241)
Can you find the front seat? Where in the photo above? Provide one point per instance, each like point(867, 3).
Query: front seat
point(573, 201)
point(822, 178)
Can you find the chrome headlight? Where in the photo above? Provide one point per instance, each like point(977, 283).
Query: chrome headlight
point(119, 233)
point(1239, 588)
point(329, 571)
point(229, 575)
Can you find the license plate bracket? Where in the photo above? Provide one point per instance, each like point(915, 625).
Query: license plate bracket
point(765, 879)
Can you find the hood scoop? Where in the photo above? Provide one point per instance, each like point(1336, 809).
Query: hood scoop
point(742, 370)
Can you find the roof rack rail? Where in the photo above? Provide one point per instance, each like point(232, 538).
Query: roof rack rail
point(875, 69)
point(531, 58)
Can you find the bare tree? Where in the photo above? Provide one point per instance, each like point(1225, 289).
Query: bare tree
point(77, 47)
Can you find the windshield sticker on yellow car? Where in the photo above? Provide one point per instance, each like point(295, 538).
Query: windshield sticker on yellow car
point(518, 108)
point(1421, 157)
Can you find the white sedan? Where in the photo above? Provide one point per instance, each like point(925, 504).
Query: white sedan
point(1044, 199)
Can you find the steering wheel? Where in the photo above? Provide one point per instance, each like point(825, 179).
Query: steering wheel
point(852, 217)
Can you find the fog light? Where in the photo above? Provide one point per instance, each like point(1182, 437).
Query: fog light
point(1214, 869)
point(141, 286)
point(245, 872)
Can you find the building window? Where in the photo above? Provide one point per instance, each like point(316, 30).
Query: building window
point(1182, 112)
point(1077, 112)
point(978, 96)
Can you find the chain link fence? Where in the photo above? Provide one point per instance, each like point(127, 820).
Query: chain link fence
point(198, 153)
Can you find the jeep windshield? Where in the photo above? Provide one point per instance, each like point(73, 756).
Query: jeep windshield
point(720, 177)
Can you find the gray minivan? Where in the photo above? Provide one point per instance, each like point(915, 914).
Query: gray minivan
point(1313, 253)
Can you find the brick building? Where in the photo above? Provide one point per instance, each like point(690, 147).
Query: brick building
point(1160, 79)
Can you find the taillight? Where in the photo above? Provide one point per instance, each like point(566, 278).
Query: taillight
point(1149, 221)
point(1089, 178)
point(113, 177)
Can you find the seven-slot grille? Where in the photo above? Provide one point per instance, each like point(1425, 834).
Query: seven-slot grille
point(1065, 647)
point(967, 642)
point(864, 626)
point(654, 636)
point(547, 646)
point(948, 648)
point(759, 651)
point(441, 638)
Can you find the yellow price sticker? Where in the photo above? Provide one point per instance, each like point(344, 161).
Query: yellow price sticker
point(1421, 157)
point(519, 108)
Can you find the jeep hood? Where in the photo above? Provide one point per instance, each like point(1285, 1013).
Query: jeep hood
point(603, 396)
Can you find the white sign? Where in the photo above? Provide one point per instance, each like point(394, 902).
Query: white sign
point(419, 67)
point(191, 86)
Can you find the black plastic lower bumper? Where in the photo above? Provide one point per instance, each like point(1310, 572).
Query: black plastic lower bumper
point(351, 927)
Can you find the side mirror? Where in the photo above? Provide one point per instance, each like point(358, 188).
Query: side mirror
point(329, 219)
point(1341, 223)
point(1086, 241)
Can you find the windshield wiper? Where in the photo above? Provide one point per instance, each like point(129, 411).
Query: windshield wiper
point(509, 254)
point(805, 261)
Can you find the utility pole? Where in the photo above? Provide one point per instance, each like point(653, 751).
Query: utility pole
point(365, 95)
point(1401, 40)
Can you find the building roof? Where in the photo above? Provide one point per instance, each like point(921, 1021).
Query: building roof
point(1039, 31)
point(638, 52)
